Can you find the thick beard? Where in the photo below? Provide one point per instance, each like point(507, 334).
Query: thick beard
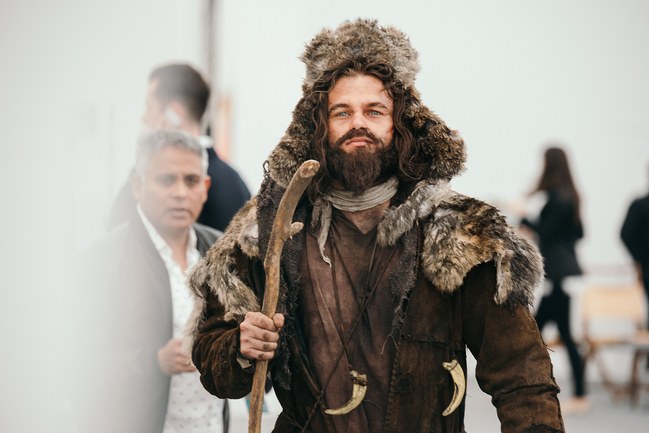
point(363, 168)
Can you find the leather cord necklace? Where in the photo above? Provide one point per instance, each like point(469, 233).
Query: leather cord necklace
point(368, 295)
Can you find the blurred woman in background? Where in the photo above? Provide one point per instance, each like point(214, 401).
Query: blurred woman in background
point(558, 228)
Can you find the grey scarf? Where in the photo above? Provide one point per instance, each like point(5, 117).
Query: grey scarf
point(350, 202)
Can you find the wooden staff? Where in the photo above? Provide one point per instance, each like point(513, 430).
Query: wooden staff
point(283, 229)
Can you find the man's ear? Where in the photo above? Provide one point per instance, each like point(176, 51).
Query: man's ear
point(136, 185)
point(208, 182)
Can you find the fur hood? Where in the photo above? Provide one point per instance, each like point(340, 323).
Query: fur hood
point(366, 42)
point(459, 232)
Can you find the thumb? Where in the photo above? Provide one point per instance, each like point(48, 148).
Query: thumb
point(278, 321)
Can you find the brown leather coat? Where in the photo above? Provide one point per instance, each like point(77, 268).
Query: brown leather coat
point(434, 322)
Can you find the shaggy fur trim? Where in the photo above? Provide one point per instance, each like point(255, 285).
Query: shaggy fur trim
point(403, 279)
point(360, 39)
point(459, 234)
point(213, 273)
point(426, 196)
point(464, 232)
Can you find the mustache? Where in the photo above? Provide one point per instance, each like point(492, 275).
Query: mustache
point(361, 132)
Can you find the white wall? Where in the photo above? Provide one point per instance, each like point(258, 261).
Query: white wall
point(508, 75)
point(72, 86)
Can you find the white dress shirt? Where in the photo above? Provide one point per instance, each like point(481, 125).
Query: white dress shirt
point(191, 408)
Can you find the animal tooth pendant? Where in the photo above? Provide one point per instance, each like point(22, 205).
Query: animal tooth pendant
point(459, 383)
point(358, 394)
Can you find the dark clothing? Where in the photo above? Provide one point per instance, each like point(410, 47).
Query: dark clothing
point(127, 302)
point(558, 231)
point(226, 195)
point(556, 307)
point(635, 235)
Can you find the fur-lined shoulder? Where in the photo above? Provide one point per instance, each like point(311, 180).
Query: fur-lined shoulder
point(466, 232)
point(213, 272)
point(459, 234)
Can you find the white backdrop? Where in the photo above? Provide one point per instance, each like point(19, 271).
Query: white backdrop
point(509, 75)
point(72, 86)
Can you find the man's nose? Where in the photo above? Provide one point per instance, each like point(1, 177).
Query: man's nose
point(179, 189)
point(358, 121)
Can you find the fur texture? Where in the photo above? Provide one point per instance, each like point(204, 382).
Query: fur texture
point(214, 273)
point(363, 39)
point(458, 232)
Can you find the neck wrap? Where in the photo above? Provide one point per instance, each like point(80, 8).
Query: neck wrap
point(350, 202)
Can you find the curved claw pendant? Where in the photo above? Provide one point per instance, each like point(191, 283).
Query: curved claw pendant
point(459, 383)
point(358, 394)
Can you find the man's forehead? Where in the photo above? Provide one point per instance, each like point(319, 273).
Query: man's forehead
point(359, 88)
point(175, 159)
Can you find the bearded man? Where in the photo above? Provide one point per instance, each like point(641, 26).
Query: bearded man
point(394, 274)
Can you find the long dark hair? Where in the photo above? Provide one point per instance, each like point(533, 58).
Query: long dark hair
point(411, 166)
point(556, 176)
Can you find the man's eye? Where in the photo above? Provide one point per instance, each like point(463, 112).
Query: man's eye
point(375, 113)
point(192, 180)
point(166, 180)
point(341, 114)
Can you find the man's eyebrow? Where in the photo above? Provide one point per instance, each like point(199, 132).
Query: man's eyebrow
point(337, 106)
point(377, 104)
point(370, 105)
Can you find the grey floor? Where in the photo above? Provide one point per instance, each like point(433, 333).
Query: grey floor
point(605, 415)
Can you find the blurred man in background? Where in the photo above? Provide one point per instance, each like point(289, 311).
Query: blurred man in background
point(176, 99)
point(135, 377)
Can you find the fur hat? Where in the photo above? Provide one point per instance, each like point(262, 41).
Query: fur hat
point(360, 40)
point(366, 42)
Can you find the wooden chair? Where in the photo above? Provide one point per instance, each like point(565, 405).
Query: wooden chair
point(640, 345)
point(611, 317)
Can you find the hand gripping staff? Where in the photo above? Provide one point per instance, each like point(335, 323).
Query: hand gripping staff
point(283, 229)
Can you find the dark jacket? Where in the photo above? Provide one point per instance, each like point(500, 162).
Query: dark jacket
point(558, 232)
point(227, 193)
point(635, 231)
point(127, 302)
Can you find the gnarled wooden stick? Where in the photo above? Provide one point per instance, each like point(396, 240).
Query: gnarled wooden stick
point(283, 229)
